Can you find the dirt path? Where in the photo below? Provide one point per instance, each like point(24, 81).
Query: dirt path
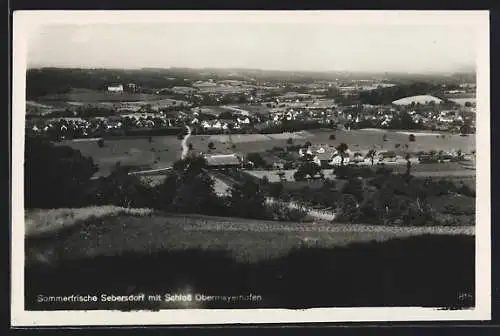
point(184, 145)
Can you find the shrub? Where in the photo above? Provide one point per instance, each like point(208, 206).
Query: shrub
point(282, 212)
point(382, 170)
point(299, 176)
point(354, 186)
point(348, 210)
point(347, 172)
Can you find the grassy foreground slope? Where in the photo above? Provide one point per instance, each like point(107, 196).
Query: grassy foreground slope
point(290, 265)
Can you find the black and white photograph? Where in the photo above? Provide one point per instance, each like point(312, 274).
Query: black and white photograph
point(221, 167)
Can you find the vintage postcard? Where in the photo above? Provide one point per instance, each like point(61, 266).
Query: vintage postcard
point(222, 167)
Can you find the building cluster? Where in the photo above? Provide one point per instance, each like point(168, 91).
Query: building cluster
point(276, 104)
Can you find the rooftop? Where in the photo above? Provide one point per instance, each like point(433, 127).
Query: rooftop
point(222, 160)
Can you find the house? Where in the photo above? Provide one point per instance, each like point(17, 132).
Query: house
point(132, 87)
point(337, 159)
point(223, 161)
point(115, 88)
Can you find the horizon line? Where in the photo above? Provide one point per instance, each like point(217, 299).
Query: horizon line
point(470, 69)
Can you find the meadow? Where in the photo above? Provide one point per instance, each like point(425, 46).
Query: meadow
point(139, 154)
point(364, 140)
point(357, 140)
point(135, 152)
point(88, 96)
point(288, 265)
point(109, 230)
point(247, 143)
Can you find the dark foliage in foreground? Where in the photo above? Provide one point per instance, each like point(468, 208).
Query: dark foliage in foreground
point(432, 271)
point(55, 176)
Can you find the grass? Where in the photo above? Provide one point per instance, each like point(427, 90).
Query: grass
point(363, 140)
point(246, 143)
point(430, 271)
point(89, 96)
point(121, 251)
point(357, 140)
point(162, 152)
point(78, 233)
point(40, 222)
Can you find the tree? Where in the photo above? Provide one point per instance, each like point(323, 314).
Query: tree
point(308, 167)
point(257, 160)
point(211, 145)
point(276, 189)
point(342, 149)
point(123, 189)
point(354, 186)
point(411, 137)
point(55, 176)
point(299, 176)
point(408, 165)
point(308, 144)
point(195, 193)
point(348, 210)
point(189, 189)
point(100, 143)
point(189, 166)
point(150, 139)
point(289, 141)
point(465, 130)
point(247, 200)
point(371, 154)
point(332, 137)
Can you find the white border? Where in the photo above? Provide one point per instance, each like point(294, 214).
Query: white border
point(25, 22)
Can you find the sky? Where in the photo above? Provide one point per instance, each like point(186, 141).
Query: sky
point(274, 46)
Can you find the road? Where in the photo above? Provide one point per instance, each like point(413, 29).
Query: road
point(185, 148)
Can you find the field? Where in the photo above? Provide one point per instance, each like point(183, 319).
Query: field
point(462, 101)
point(287, 265)
point(357, 140)
point(139, 153)
point(247, 143)
point(363, 140)
point(88, 96)
point(135, 152)
point(113, 231)
point(253, 109)
point(82, 97)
